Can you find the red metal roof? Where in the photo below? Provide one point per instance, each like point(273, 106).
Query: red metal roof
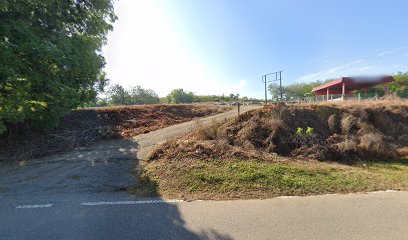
point(351, 84)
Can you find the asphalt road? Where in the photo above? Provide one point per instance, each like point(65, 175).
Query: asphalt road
point(382, 215)
point(79, 195)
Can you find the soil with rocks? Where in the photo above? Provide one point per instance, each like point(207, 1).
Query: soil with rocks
point(344, 132)
point(86, 126)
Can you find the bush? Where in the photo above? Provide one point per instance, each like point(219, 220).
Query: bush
point(50, 58)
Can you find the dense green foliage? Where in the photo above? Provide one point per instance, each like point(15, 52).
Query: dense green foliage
point(294, 91)
point(180, 96)
point(117, 95)
point(400, 85)
point(50, 57)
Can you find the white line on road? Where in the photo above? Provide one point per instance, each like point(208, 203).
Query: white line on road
point(35, 206)
point(128, 202)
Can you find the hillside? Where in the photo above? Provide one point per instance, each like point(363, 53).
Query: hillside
point(86, 126)
point(345, 132)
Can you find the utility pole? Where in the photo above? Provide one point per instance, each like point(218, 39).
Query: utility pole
point(266, 95)
point(265, 81)
point(280, 85)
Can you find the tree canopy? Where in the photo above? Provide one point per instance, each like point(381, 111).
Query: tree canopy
point(180, 96)
point(400, 85)
point(50, 57)
point(274, 90)
point(118, 95)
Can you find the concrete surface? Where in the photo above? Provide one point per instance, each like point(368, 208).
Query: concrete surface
point(381, 215)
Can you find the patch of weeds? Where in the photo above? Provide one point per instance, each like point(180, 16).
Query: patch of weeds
point(220, 179)
point(145, 186)
point(76, 177)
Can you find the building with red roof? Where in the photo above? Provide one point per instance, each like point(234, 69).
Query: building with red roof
point(346, 85)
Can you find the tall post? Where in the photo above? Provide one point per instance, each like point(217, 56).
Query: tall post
point(327, 94)
point(266, 95)
point(280, 85)
point(343, 91)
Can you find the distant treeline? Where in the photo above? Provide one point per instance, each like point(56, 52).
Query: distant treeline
point(118, 95)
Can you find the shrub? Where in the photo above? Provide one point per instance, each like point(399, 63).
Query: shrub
point(50, 58)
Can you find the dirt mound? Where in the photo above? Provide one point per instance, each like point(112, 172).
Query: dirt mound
point(337, 132)
point(86, 126)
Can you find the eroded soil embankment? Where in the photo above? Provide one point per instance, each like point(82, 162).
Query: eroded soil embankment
point(87, 126)
point(335, 132)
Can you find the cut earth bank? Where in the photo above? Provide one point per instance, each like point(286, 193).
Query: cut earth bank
point(298, 149)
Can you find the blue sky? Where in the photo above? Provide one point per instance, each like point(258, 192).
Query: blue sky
point(224, 46)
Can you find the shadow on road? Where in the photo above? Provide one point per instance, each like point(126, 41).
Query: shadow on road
point(106, 167)
point(102, 172)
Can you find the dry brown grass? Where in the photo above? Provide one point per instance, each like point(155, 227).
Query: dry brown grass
point(345, 132)
point(366, 103)
point(86, 126)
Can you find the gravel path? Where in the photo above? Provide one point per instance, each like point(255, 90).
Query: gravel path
point(147, 142)
point(94, 171)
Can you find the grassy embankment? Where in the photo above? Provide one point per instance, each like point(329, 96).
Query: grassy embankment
point(261, 155)
point(229, 179)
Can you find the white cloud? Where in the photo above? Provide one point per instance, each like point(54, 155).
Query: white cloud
point(329, 73)
point(390, 52)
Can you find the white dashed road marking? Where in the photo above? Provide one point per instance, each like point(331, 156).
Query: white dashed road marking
point(107, 203)
point(128, 202)
point(35, 206)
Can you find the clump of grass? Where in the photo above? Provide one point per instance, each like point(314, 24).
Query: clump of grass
point(226, 179)
point(145, 186)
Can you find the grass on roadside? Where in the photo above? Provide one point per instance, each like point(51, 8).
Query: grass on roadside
point(230, 179)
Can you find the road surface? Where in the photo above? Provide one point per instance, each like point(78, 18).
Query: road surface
point(79, 195)
point(382, 215)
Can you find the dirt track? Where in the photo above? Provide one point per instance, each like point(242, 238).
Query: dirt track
point(99, 169)
point(147, 142)
point(85, 127)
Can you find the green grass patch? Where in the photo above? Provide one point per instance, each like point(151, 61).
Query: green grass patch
point(226, 179)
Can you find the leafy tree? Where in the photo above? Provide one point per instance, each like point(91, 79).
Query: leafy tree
point(139, 95)
point(117, 95)
point(298, 90)
point(274, 90)
point(400, 85)
point(101, 102)
point(294, 91)
point(50, 57)
point(180, 96)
